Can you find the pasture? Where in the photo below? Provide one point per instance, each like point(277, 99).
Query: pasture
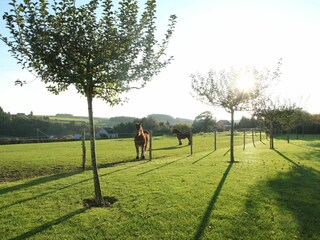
point(266, 194)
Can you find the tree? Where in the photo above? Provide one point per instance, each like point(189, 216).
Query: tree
point(288, 116)
point(221, 89)
point(204, 122)
point(275, 111)
point(247, 123)
point(268, 110)
point(103, 57)
point(303, 118)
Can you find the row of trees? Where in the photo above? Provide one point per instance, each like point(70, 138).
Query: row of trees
point(298, 121)
point(223, 89)
point(35, 127)
point(104, 53)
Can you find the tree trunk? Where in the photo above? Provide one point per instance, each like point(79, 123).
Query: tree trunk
point(271, 135)
point(96, 181)
point(231, 138)
point(215, 140)
point(84, 158)
point(252, 134)
point(244, 139)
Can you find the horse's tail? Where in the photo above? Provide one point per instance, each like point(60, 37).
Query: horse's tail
point(147, 137)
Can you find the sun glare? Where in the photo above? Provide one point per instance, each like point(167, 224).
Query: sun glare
point(245, 82)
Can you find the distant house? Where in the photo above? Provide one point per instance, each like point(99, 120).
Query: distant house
point(76, 136)
point(106, 132)
point(223, 125)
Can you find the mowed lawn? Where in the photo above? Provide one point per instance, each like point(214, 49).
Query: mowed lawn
point(266, 194)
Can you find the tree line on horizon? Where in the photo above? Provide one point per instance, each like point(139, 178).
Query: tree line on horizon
point(41, 127)
point(107, 54)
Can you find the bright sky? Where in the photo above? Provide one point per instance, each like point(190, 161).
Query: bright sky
point(209, 34)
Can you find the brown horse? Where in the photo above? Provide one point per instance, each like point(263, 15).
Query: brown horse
point(181, 135)
point(141, 141)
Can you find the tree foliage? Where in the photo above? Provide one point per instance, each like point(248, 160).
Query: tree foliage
point(102, 54)
point(204, 122)
point(221, 89)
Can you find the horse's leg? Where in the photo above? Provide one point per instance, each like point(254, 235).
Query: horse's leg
point(143, 151)
point(180, 142)
point(137, 150)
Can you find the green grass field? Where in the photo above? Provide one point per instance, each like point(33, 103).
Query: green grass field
point(266, 194)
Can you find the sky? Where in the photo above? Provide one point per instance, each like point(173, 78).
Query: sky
point(210, 34)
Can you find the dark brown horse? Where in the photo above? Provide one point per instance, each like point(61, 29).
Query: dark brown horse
point(141, 141)
point(181, 135)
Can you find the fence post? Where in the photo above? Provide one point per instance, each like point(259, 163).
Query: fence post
point(244, 139)
point(260, 136)
point(253, 138)
point(83, 138)
point(150, 145)
point(215, 139)
point(191, 145)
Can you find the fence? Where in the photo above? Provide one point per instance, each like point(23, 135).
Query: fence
point(168, 145)
point(112, 151)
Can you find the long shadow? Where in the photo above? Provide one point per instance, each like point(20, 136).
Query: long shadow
point(271, 202)
point(38, 181)
point(107, 165)
point(203, 157)
point(299, 192)
point(65, 187)
point(162, 166)
point(170, 148)
point(55, 177)
point(226, 152)
point(288, 159)
point(49, 224)
point(206, 217)
point(122, 169)
point(43, 194)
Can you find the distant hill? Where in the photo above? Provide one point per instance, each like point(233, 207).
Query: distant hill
point(110, 122)
point(117, 120)
point(167, 118)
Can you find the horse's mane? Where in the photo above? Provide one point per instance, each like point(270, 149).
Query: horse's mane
point(174, 130)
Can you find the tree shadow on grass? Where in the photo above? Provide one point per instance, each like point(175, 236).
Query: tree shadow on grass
point(299, 192)
point(285, 205)
point(162, 166)
point(226, 152)
point(139, 162)
point(112, 164)
point(170, 148)
point(206, 217)
point(203, 157)
point(50, 178)
point(44, 194)
point(49, 224)
point(39, 181)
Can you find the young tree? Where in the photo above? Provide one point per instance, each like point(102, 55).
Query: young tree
point(101, 53)
point(222, 89)
point(204, 122)
point(288, 115)
point(303, 119)
point(268, 110)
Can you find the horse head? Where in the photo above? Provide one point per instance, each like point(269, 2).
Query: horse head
point(139, 128)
